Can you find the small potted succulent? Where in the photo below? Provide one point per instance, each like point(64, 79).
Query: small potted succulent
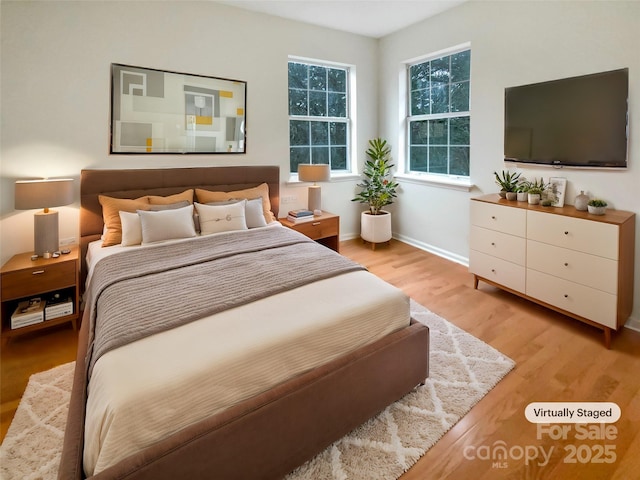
point(597, 206)
point(522, 190)
point(536, 188)
point(508, 183)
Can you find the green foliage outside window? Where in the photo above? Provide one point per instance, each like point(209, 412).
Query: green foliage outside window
point(318, 115)
point(439, 120)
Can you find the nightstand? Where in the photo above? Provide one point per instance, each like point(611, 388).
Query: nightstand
point(324, 229)
point(24, 279)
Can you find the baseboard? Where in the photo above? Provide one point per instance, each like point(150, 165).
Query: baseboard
point(435, 250)
point(633, 324)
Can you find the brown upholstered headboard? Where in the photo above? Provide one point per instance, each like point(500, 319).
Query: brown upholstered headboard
point(163, 181)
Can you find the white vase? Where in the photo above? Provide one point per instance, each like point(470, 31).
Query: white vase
point(375, 228)
point(533, 198)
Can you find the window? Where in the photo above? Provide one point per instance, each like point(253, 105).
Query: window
point(318, 115)
point(438, 122)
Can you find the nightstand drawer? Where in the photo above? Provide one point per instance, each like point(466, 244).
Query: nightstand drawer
point(38, 280)
point(321, 228)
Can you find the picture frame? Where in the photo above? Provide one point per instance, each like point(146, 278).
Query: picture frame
point(556, 191)
point(165, 112)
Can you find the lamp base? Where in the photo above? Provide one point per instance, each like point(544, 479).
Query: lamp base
point(315, 202)
point(45, 232)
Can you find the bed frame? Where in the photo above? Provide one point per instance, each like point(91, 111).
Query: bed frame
point(269, 435)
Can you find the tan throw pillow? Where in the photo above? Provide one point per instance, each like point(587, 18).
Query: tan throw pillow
point(207, 196)
point(178, 197)
point(111, 208)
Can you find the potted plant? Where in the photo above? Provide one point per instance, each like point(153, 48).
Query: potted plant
point(522, 190)
point(535, 191)
point(508, 183)
point(597, 206)
point(377, 191)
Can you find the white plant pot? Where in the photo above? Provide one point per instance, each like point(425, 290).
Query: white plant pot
point(534, 198)
point(522, 196)
point(375, 228)
point(596, 210)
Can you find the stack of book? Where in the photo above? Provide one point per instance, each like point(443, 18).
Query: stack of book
point(28, 312)
point(58, 306)
point(299, 216)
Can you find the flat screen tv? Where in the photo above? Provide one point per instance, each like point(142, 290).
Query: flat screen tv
point(578, 122)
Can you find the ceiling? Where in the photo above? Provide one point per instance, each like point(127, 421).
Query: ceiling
point(372, 18)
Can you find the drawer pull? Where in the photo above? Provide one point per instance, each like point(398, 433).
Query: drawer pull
point(566, 233)
point(315, 224)
point(493, 270)
point(566, 296)
point(493, 244)
point(37, 272)
point(566, 264)
point(493, 217)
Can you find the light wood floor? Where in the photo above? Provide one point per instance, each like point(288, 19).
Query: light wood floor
point(558, 359)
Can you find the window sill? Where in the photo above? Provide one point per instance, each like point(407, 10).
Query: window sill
point(335, 177)
point(463, 184)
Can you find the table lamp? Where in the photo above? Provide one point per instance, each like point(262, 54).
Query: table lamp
point(318, 172)
point(32, 194)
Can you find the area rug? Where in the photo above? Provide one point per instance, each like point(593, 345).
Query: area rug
point(462, 370)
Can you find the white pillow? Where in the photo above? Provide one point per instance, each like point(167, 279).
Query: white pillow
point(254, 214)
point(167, 224)
point(131, 229)
point(221, 218)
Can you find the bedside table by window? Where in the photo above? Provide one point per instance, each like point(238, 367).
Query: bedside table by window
point(24, 279)
point(324, 229)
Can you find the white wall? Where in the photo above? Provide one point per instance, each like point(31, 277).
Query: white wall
point(55, 84)
point(513, 43)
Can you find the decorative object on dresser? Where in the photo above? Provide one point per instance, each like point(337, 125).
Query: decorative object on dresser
point(377, 190)
point(508, 183)
point(24, 280)
point(555, 191)
point(317, 172)
point(597, 206)
point(581, 202)
point(574, 263)
point(324, 228)
point(535, 190)
point(35, 194)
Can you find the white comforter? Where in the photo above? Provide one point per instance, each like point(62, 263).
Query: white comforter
point(161, 384)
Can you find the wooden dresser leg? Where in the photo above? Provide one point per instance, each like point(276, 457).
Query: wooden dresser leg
point(475, 281)
point(607, 338)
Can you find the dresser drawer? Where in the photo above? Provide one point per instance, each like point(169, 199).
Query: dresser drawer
point(590, 270)
point(595, 305)
point(38, 280)
point(498, 244)
point(587, 236)
point(500, 218)
point(497, 270)
point(317, 229)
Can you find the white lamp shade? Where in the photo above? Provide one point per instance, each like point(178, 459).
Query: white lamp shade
point(319, 172)
point(32, 194)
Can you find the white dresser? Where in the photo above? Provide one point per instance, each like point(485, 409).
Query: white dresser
point(578, 264)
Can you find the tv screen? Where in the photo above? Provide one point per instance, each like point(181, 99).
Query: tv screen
point(579, 121)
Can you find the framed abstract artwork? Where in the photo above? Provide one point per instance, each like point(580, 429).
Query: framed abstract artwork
point(555, 191)
point(155, 111)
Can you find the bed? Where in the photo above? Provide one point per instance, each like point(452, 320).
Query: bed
point(267, 372)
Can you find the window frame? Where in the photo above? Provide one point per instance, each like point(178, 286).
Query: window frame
point(348, 120)
point(456, 181)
